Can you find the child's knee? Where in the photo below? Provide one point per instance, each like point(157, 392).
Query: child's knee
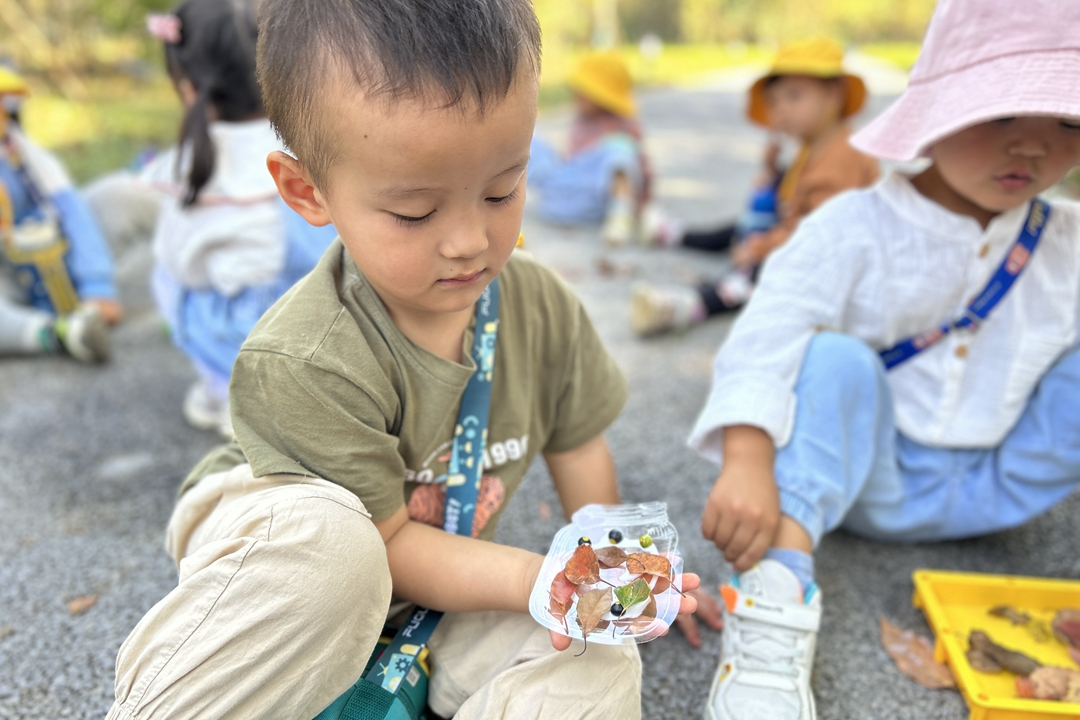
point(841, 357)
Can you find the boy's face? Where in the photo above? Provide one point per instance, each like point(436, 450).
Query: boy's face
point(427, 200)
point(803, 107)
point(1004, 163)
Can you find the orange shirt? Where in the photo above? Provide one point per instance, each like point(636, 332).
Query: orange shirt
point(825, 171)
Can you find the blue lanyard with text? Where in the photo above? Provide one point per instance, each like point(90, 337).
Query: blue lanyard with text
point(999, 285)
point(462, 486)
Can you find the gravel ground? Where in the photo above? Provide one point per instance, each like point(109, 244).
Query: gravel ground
point(90, 460)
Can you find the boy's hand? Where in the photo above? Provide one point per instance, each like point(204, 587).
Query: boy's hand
point(743, 509)
point(751, 251)
point(111, 311)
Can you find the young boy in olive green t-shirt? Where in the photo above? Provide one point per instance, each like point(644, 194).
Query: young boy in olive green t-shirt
point(409, 124)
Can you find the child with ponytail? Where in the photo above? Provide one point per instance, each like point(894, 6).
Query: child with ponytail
point(226, 247)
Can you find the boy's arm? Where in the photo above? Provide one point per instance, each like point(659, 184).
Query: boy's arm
point(743, 509)
point(584, 475)
point(454, 573)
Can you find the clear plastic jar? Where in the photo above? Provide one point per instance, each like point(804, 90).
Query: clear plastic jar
point(641, 528)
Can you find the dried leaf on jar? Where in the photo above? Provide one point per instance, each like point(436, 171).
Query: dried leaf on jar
point(648, 564)
point(611, 556)
point(582, 567)
point(634, 593)
point(914, 656)
point(562, 593)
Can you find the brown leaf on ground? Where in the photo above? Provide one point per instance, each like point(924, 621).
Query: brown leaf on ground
point(79, 605)
point(914, 656)
point(6, 631)
point(582, 566)
point(611, 556)
point(1011, 660)
point(543, 509)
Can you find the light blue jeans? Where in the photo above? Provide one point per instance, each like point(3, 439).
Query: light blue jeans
point(576, 190)
point(847, 466)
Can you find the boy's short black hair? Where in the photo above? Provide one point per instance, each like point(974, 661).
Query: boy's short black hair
point(448, 51)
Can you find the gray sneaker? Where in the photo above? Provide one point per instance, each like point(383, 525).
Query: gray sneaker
point(84, 335)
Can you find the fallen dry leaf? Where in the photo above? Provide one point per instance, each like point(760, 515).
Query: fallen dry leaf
point(611, 556)
point(6, 631)
point(1066, 626)
point(1050, 683)
point(981, 662)
point(648, 564)
point(582, 567)
point(79, 605)
point(1011, 660)
point(1011, 614)
point(1074, 655)
point(914, 656)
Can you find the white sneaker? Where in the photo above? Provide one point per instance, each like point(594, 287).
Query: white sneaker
point(770, 631)
point(655, 310)
point(204, 410)
point(658, 229)
point(619, 225)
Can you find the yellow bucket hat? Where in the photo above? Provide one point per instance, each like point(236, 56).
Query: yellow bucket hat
point(816, 57)
point(604, 78)
point(11, 83)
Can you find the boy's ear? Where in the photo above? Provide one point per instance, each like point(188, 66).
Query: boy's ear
point(296, 190)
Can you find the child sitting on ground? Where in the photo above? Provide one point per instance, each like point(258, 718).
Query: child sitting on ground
point(226, 247)
point(807, 96)
point(909, 366)
point(605, 178)
point(56, 274)
point(410, 123)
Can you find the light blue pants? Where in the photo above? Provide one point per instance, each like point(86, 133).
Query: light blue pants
point(847, 466)
point(576, 190)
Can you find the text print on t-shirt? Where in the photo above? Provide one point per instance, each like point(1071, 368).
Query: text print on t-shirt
point(496, 455)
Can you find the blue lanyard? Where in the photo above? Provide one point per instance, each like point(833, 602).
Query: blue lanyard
point(999, 286)
point(462, 486)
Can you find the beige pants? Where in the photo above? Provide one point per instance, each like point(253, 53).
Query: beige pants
point(282, 595)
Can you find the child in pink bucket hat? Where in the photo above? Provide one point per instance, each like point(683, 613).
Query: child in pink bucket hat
point(909, 365)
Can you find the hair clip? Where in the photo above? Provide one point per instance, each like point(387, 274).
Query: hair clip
point(165, 28)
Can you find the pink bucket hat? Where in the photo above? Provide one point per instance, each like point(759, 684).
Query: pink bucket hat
point(982, 60)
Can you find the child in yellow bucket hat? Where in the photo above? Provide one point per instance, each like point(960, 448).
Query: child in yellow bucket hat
point(56, 271)
point(606, 177)
point(806, 95)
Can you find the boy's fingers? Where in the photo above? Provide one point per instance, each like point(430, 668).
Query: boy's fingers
point(559, 641)
point(724, 530)
point(708, 610)
point(709, 519)
point(740, 541)
point(690, 581)
point(689, 628)
point(755, 552)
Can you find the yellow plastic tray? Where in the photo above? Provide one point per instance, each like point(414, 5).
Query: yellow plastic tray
point(957, 603)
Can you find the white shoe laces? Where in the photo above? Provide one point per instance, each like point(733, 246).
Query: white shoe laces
point(768, 648)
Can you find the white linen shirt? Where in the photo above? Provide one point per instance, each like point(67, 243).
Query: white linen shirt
point(883, 264)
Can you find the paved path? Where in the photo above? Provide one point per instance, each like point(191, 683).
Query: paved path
point(90, 460)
